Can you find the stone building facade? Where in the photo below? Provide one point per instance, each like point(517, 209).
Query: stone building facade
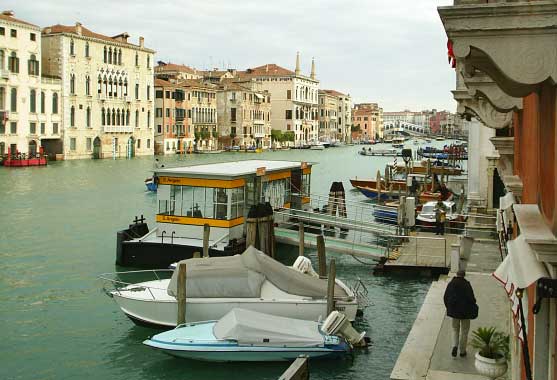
point(30, 104)
point(107, 91)
point(244, 114)
point(328, 115)
point(505, 65)
point(367, 119)
point(294, 99)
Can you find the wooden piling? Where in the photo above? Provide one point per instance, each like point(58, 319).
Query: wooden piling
point(301, 235)
point(196, 255)
point(181, 298)
point(321, 257)
point(298, 370)
point(331, 286)
point(206, 233)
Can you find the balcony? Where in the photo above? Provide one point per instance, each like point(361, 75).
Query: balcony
point(4, 74)
point(117, 129)
point(259, 121)
point(259, 135)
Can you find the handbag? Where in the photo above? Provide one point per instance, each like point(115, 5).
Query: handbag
point(474, 311)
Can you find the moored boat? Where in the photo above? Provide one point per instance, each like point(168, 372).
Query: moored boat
point(244, 335)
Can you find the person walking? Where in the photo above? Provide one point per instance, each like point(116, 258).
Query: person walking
point(461, 306)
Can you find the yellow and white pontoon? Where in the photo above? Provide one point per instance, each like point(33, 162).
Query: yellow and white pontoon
point(219, 195)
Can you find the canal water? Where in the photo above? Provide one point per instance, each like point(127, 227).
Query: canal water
point(58, 232)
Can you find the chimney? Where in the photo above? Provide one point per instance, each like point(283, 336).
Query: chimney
point(312, 76)
point(267, 68)
point(141, 42)
point(78, 29)
point(9, 13)
point(297, 71)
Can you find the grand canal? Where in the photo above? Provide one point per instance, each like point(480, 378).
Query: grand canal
point(58, 232)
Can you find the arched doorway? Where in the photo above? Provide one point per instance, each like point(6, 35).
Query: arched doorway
point(498, 188)
point(306, 135)
point(32, 148)
point(131, 148)
point(97, 151)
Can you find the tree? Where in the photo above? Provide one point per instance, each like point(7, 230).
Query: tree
point(355, 128)
point(205, 135)
point(289, 136)
point(197, 135)
point(276, 135)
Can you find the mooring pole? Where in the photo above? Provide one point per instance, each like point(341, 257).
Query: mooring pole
point(321, 257)
point(181, 298)
point(206, 233)
point(301, 238)
point(331, 287)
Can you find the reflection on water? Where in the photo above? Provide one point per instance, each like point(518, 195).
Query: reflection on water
point(58, 232)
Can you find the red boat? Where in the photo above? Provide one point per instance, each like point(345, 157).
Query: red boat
point(21, 159)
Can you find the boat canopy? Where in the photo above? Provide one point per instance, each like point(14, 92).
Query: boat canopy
point(242, 276)
point(250, 327)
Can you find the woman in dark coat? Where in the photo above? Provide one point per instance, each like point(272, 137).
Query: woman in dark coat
point(461, 307)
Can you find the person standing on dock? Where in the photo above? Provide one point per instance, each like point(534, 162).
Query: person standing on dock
point(440, 216)
point(461, 306)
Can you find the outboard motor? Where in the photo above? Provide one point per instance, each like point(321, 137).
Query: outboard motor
point(303, 264)
point(337, 324)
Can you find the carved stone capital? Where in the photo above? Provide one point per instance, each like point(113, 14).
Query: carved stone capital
point(515, 43)
point(484, 111)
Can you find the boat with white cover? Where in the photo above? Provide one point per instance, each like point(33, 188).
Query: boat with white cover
point(216, 285)
point(244, 335)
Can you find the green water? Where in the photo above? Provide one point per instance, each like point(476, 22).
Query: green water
point(58, 232)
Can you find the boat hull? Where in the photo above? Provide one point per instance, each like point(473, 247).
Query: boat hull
point(162, 313)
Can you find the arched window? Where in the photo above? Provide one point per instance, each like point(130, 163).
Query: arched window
point(113, 117)
point(128, 117)
point(88, 117)
point(136, 59)
point(119, 56)
point(13, 63)
point(126, 87)
point(103, 115)
point(148, 62)
point(108, 117)
point(33, 101)
point(115, 57)
point(33, 65)
point(2, 57)
point(13, 100)
point(43, 101)
point(87, 85)
point(72, 47)
point(137, 118)
point(105, 82)
point(109, 86)
point(109, 55)
point(72, 116)
point(55, 103)
point(105, 54)
point(72, 84)
point(87, 49)
point(100, 85)
point(148, 119)
point(2, 98)
point(118, 117)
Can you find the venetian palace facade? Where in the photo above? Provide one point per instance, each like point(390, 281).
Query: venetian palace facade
point(30, 109)
point(505, 57)
point(294, 105)
point(107, 91)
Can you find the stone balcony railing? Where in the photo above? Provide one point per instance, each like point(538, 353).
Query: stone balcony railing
point(117, 129)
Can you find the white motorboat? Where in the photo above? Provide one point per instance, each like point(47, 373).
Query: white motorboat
point(426, 217)
point(317, 146)
point(216, 285)
point(244, 335)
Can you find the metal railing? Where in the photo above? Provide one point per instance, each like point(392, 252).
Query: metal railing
point(112, 284)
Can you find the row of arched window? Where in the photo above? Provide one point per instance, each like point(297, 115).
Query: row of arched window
point(305, 93)
point(32, 100)
point(72, 48)
point(112, 86)
point(118, 116)
point(302, 113)
point(204, 115)
point(112, 56)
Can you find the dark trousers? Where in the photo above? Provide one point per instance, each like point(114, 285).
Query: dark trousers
point(439, 228)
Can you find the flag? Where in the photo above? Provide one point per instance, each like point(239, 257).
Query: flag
point(450, 54)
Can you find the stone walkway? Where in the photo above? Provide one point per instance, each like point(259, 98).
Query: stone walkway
point(427, 351)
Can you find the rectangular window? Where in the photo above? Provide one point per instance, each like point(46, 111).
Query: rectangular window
point(168, 112)
point(2, 127)
point(159, 128)
point(148, 143)
point(43, 128)
point(168, 94)
point(288, 94)
point(158, 94)
point(72, 143)
point(54, 128)
point(33, 37)
point(137, 90)
point(148, 92)
point(88, 143)
point(158, 112)
point(13, 33)
point(233, 114)
point(2, 31)
point(288, 114)
point(13, 127)
point(138, 143)
point(33, 128)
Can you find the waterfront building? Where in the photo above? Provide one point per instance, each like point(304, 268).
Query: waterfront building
point(244, 114)
point(173, 133)
point(30, 105)
point(345, 117)
point(367, 120)
point(216, 76)
point(496, 85)
point(329, 115)
point(173, 72)
point(294, 105)
point(107, 91)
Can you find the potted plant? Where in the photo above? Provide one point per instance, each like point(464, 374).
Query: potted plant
point(493, 346)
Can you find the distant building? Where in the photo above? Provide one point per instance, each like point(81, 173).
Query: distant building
point(294, 98)
point(335, 115)
point(30, 103)
point(107, 91)
point(174, 72)
point(244, 114)
point(367, 120)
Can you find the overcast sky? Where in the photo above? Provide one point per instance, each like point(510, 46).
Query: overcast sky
point(388, 51)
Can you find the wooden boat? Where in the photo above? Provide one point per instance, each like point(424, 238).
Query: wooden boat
point(22, 159)
point(379, 152)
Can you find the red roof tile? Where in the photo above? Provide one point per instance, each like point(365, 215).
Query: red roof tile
point(7, 17)
point(174, 67)
point(269, 69)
